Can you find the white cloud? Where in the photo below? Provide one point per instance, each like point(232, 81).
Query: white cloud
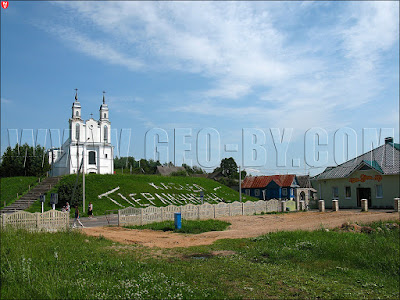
point(308, 79)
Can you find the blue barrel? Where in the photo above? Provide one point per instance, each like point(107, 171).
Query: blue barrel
point(178, 220)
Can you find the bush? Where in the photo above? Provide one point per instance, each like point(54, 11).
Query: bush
point(65, 191)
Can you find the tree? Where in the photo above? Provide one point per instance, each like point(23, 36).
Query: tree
point(24, 160)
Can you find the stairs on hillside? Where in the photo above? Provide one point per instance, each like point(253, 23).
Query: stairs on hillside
point(26, 200)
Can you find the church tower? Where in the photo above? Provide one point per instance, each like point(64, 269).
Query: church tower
point(76, 107)
point(76, 122)
point(104, 122)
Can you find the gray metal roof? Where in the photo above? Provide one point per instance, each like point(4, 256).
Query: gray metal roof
point(386, 156)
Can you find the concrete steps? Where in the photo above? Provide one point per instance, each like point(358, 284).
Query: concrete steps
point(26, 200)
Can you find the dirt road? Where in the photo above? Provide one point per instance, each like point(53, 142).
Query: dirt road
point(242, 227)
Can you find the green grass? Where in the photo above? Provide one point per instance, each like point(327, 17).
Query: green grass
point(137, 184)
point(10, 186)
point(284, 265)
point(188, 226)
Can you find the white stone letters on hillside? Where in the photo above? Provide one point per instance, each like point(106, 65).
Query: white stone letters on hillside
point(188, 194)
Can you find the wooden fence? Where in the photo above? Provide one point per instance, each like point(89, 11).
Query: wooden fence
point(141, 216)
point(52, 220)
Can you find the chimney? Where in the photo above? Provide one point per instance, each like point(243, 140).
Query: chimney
point(388, 140)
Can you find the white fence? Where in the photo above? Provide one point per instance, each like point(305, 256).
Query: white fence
point(51, 220)
point(141, 216)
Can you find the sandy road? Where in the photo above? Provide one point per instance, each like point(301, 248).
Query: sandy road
point(242, 227)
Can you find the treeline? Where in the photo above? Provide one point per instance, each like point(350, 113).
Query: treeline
point(24, 160)
point(128, 165)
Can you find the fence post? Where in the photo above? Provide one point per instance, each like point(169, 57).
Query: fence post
point(321, 205)
point(198, 212)
point(283, 205)
point(37, 220)
point(141, 216)
point(119, 218)
point(214, 205)
point(396, 204)
point(335, 205)
point(364, 205)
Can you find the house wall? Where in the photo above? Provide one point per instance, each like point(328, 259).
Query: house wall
point(359, 179)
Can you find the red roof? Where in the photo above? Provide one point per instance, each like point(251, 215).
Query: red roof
point(263, 181)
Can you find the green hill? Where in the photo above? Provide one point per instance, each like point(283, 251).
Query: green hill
point(11, 186)
point(111, 192)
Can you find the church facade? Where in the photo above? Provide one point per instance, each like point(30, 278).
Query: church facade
point(88, 147)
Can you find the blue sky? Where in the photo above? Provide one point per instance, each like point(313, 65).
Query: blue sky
point(221, 65)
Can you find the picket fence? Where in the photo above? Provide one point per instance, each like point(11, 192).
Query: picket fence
point(52, 220)
point(142, 216)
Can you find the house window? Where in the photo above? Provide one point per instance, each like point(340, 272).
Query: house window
point(284, 192)
point(348, 192)
point(105, 134)
point(257, 193)
point(247, 191)
point(379, 191)
point(77, 131)
point(92, 158)
point(335, 192)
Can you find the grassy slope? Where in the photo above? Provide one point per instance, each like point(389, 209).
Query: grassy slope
point(10, 186)
point(301, 264)
point(129, 184)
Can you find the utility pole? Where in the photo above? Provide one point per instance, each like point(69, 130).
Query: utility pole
point(240, 185)
point(83, 179)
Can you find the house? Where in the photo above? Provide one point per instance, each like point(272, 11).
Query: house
point(373, 176)
point(270, 187)
point(168, 170)
point(88, 147)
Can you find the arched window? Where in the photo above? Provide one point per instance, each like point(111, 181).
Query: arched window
point(77, 113)
point(105, 134)
point(92, 157)
point(77, 131)
point(105, 115)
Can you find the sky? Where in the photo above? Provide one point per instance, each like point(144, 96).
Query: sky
point(230, 77)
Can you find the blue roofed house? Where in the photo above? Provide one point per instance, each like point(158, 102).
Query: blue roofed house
point(271, 187)
point(373, 176)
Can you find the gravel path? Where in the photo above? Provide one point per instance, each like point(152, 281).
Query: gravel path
point(242, 227)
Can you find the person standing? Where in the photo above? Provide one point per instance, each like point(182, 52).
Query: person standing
point(90, 210)
point(67, 208)
point(77, 217)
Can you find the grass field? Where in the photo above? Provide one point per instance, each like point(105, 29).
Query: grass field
point(300, 264)
point(137, 184)
point(188, 226)
point(10, 186)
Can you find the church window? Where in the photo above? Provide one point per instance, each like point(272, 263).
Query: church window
point(77, 131)
point(105, 134)
point(92, 157)
point(105, 115)
point(77, 113)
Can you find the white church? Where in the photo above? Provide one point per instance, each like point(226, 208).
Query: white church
point(88, 147)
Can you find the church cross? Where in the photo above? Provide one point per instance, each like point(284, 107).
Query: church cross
point(91, 116)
